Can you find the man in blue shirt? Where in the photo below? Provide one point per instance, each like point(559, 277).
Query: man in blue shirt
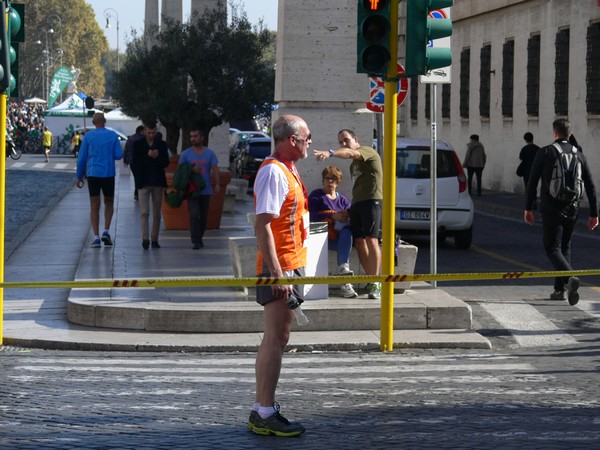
point(96, 161)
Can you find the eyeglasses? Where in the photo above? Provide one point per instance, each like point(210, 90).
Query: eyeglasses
point(308, 138)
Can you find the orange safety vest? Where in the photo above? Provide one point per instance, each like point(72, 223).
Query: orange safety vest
point(288, 229)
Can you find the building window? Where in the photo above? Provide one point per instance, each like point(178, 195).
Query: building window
point(508, 71)
point(446, 101)
point(414, 98)
point(484, 80)
point(465, 68)
point(561, 79)
point(592, 78)
point(533, 76)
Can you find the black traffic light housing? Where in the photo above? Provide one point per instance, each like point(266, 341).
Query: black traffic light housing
point(373, 38)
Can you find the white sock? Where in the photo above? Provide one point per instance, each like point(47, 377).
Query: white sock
point(96, 237)
point(266, 411)
point(256, 406)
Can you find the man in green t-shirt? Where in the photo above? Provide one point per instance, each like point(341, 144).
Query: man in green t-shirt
point(367, 195)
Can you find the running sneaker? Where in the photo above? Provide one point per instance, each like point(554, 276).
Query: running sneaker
point(275, 424)
point(106, 239)
point(97, 243)
point(348, 291)
point(558, 295)
point(572, 294)
point(344, 269)
point(374, 290)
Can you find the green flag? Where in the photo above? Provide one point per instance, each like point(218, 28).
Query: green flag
point(60, 81)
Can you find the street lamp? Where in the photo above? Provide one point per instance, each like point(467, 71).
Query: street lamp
point(48, 55)
point(50, 19)
point(111, 13)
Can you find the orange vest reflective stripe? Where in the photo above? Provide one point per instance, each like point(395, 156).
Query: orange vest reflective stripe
point(288, 229)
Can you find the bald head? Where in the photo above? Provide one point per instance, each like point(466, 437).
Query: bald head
point(99, 120)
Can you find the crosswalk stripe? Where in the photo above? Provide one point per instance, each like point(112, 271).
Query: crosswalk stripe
point(370, 368)
point(527, 325)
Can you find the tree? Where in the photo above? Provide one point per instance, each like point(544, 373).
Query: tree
point(83, 43)
point(205, 72)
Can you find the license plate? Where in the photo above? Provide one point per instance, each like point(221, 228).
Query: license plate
point(414, 215)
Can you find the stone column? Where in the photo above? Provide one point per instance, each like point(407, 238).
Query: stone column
point(150, 15)
point(172, 9)
point(316, 79)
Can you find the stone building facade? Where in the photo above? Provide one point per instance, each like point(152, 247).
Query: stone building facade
point(517, 66)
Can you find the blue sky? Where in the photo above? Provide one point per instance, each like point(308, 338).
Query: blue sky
point(131, 15)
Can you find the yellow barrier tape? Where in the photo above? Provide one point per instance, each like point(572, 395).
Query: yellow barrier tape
point(138, 283)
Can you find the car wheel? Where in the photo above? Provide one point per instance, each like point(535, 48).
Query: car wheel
point(463, 239)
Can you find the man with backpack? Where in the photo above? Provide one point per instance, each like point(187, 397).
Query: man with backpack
point(565, 174)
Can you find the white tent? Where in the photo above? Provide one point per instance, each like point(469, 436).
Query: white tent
point(70, 114)
point(35, 100)
point(121, 122)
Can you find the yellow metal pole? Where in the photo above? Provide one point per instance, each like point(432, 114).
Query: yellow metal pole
point(2, 204)
point(389, 185)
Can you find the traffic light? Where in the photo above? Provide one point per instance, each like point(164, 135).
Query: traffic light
point(421, 54)
point(373, 40)
point(16, 34)
point(4, 50)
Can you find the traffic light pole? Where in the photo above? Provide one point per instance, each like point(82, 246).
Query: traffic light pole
point(3, 96)
point(389, 185)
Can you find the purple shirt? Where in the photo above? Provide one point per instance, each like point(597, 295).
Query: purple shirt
point(321, 206)
point(206, 161)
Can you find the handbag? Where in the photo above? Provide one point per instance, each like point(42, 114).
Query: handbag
point(521, 169)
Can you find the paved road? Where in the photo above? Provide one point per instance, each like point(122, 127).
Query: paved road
point(32, 188)
point(411, 399)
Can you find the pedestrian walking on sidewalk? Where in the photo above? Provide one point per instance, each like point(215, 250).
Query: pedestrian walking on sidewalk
point(204, 162)
point(527, 155)
point(99, 150)
point(128, 152)
point(328, 205)
point(475, 161)
point(561, 161)
point(47, 141)
point(281, 227)
point(367, 195)
point(150, 158)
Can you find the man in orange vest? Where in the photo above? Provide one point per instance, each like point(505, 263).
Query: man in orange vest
point(282, 223)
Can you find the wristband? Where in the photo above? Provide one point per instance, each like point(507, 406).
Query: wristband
point(331, 153)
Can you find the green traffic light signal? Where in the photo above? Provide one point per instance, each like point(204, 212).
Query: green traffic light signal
point(373, 37)
point(4, 50)
point(16, 34)
point(420, 31)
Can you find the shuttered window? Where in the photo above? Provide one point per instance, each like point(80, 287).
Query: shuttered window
point(484, 80)
point(533, 76)
point(508, 72)
point(561, 78)
point(465, 68)
point(446, 101)
point(414, 98)
point(592, 77)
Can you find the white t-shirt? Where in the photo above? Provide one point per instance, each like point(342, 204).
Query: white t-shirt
point(270, 189)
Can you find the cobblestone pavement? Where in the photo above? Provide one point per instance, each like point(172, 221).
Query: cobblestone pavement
point(543, 398)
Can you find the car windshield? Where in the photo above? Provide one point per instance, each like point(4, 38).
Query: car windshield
point(260, 150)
point(414, 163)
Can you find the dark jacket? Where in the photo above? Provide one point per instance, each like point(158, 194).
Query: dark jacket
point(542, 168)
point(149, 171)
point(527, 155)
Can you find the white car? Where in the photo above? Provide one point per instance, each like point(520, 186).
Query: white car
point(122, 137)
point(413, 187)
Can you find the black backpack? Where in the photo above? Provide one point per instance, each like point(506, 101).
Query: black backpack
point(566, 184)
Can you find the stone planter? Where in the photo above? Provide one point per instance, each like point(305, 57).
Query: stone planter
point(179, 218)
